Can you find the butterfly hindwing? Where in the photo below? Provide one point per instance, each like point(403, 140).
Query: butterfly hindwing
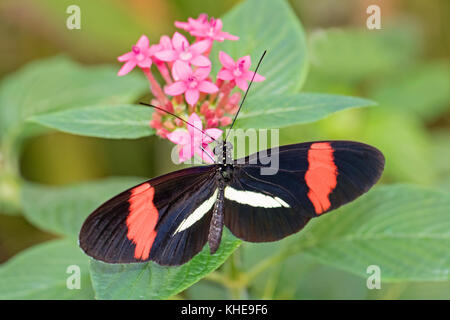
point(163, 219)
point(312, 178)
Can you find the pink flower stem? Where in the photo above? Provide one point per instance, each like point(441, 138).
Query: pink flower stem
point(225, 94)
point(179, 99)
point(202, 96)
point(164, 72)
point(169, 106)
point(155, 87)
point(220, 83)
point(212, 97)
point(208, 51)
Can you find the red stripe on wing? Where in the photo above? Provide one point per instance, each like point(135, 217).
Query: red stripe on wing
point(142, 219)
point(321, 176)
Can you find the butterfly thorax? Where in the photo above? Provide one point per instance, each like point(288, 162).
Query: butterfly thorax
point(222, 151)
point(224, 159)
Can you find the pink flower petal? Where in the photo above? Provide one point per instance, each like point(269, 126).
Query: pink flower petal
point(201, 61)
point(203, 154)
point(225, 74)
point(186, 152)
point(192, 96)
point(182, 25)
point(175, 88)
point(226, 60)
point(199, 33)
point(199, 47)
point(146, 63)
point(195, 121)
point(241, 83)
point(213, 132)
point(202, 73)
point(143, 42)
point(166, 55)
point(125, 57)
point(154, 49)
point(179, 136)
point(179, 42)
point(200, 23)
point(218, 24)
point(166, 43)
point(258, 78)
point(207, 87)
point(127, 67)
point(228, 36)
point(181, 70)
point(246, 62)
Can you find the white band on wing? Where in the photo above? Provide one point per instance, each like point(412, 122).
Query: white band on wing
point(254, 199)
point(197, 214)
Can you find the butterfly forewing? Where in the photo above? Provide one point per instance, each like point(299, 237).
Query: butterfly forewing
point(158, 220)
point(312, 178)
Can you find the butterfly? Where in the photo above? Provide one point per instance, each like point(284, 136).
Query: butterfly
point(170, 218)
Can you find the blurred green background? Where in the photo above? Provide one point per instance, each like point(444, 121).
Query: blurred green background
point(405, 67)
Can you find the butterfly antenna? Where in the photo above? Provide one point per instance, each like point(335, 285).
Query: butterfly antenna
point(207, 153)
point(245, 95)
point(178, 117)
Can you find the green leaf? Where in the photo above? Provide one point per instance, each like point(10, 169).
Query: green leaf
point(352, 54)
point(152, 281)
point(108, 29)
point(111, 122)
point(405, 143)
point(206, 290)
point(285, 110)
point(58, 83)
point(62, 210)
point(266, 25)
point(41, 273)
point(405, 230)
point(441, 152)
point(10, 194)
point(424, 90)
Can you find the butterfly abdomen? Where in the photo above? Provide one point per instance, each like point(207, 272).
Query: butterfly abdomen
point(216, 225)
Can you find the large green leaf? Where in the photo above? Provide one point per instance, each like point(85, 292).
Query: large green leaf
point(151, 281)
point(284, 110)
point(112, 122)
point(405, 230)
point(108, 28)
point(441, 152)
point(58, 83)
point(423, 90)
point(41, 273)
point(62, 210)
point(352, 54)
point(266, 25)
point(404, 141)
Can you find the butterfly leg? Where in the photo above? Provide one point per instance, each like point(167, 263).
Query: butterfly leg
point(216, 225)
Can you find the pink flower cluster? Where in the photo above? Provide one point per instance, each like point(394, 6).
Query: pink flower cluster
point(189, 91)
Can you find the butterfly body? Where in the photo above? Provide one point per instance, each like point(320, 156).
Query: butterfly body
point(170, 218)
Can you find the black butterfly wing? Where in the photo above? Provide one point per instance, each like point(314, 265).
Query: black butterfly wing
point(312, 178)
point(165, 219)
